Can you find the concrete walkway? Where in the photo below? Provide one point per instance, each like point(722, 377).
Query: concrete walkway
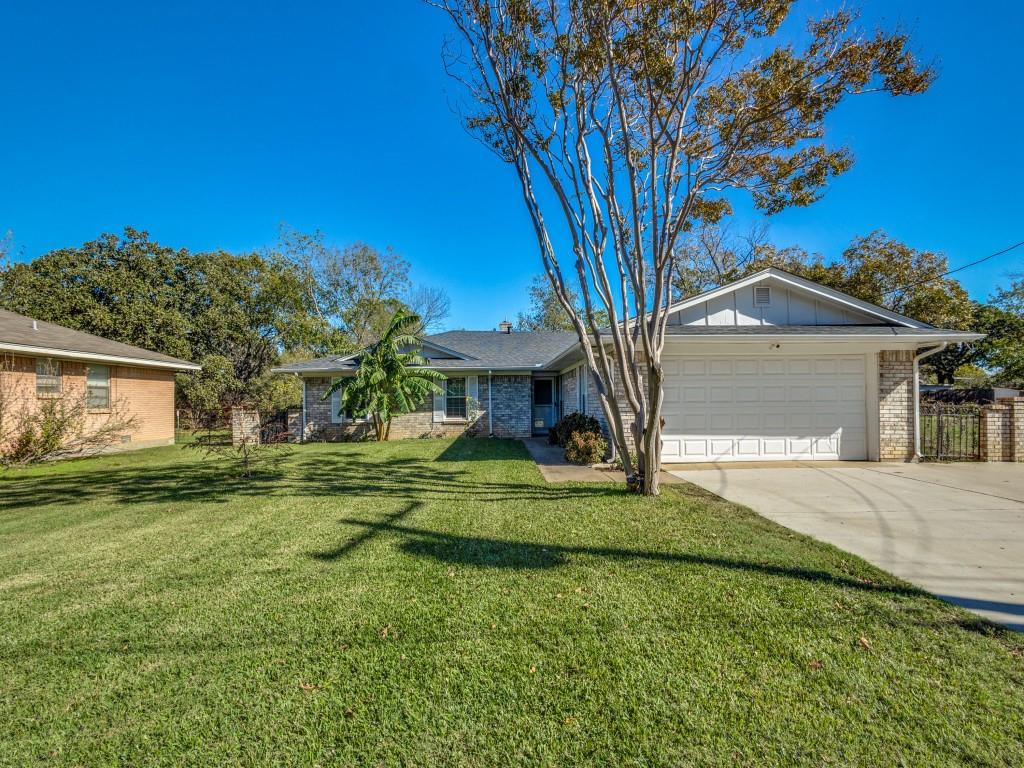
point(957, 530)
point(552, 464)
point(555, 469)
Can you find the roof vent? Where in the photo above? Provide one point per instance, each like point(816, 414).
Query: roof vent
point(505, 326)
point(35, 325)
point(762, 295)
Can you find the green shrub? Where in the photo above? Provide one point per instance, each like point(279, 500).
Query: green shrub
point(585, 448)
point(573, 422)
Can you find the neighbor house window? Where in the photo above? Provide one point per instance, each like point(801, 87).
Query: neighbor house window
point(47, 377)
point(97, 387)
point(455, 399)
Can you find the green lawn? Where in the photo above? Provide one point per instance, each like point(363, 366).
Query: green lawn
point(436, 603)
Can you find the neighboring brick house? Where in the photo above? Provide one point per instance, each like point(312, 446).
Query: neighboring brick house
point(41, 361)
point(770, 367)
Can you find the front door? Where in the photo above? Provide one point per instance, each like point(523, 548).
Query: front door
point(544, 412)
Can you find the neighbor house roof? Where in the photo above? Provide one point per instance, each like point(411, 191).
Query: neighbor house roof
point(28, 336)
point(480, 350)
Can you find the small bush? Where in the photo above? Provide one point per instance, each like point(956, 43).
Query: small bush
point(585, 448)
point(573, 422)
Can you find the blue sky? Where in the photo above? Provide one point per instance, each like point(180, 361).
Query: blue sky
point(209, 126)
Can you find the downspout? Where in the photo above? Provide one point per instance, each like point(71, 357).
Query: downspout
point(917, 394)
point(302, 434)
point(490, 422)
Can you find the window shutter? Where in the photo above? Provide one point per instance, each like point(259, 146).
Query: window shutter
point(473, 392)
point(439, 404)
point(336, 416)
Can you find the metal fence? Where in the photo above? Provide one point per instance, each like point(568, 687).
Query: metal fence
point(950, 432)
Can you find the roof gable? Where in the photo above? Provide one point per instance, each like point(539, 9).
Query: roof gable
point(793, 300)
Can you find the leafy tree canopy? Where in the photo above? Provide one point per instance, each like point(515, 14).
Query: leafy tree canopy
point(359, 288)
point(1002, 351)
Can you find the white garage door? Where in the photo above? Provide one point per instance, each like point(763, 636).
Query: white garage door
point(731, 408)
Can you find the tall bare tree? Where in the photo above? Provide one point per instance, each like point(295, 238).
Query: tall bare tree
point(359, 287)
point(640, 119)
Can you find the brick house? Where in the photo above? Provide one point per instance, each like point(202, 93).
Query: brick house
point(770, 367)
point(41, 361)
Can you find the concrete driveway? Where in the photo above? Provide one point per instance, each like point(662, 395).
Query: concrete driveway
point(957, 530)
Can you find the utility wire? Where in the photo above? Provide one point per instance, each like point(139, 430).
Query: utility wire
point(965, 266)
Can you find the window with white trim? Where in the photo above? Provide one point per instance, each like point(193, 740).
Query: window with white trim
point(48, 378)
point(336, 415)
point(455, 398)
point(97, 387)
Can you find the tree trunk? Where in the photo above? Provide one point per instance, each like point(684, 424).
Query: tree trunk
point(652, 428)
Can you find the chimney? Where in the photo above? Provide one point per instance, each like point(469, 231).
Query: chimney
point(505, 326)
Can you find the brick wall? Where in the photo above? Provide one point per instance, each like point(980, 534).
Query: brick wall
point(146, 393)
point(510, 401)
point(149, 396)
point(568, 395)
point(896, 405)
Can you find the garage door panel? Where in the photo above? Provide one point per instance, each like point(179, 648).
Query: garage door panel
point(776, 407)
point(693, 367)
point(694, 394)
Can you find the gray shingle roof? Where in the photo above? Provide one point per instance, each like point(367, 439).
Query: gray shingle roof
point(25, 331)
point(494, 349)
point(483, 350)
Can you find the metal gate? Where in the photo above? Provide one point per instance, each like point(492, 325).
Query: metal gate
point(950, 431)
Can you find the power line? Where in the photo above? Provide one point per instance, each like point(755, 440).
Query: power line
point(965, 266)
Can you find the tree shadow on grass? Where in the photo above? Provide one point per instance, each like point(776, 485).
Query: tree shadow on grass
point(345, 474)
point(525, 555)
point(172, 484)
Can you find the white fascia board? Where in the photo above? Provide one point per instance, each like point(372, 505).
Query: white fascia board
point(803, 284)
point(67, 354)
point(910, 338)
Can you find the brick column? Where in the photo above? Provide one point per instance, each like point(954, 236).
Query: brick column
point(1002, 430)
point(896, 405)
point(294, 422)
point(245, 425)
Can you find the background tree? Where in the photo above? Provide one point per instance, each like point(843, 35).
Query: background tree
point(546, 312)
point(1001, 352)
point(123, 288)
point(639, 120)
point(215, 308)
point(359, 288)
point(389, 380)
